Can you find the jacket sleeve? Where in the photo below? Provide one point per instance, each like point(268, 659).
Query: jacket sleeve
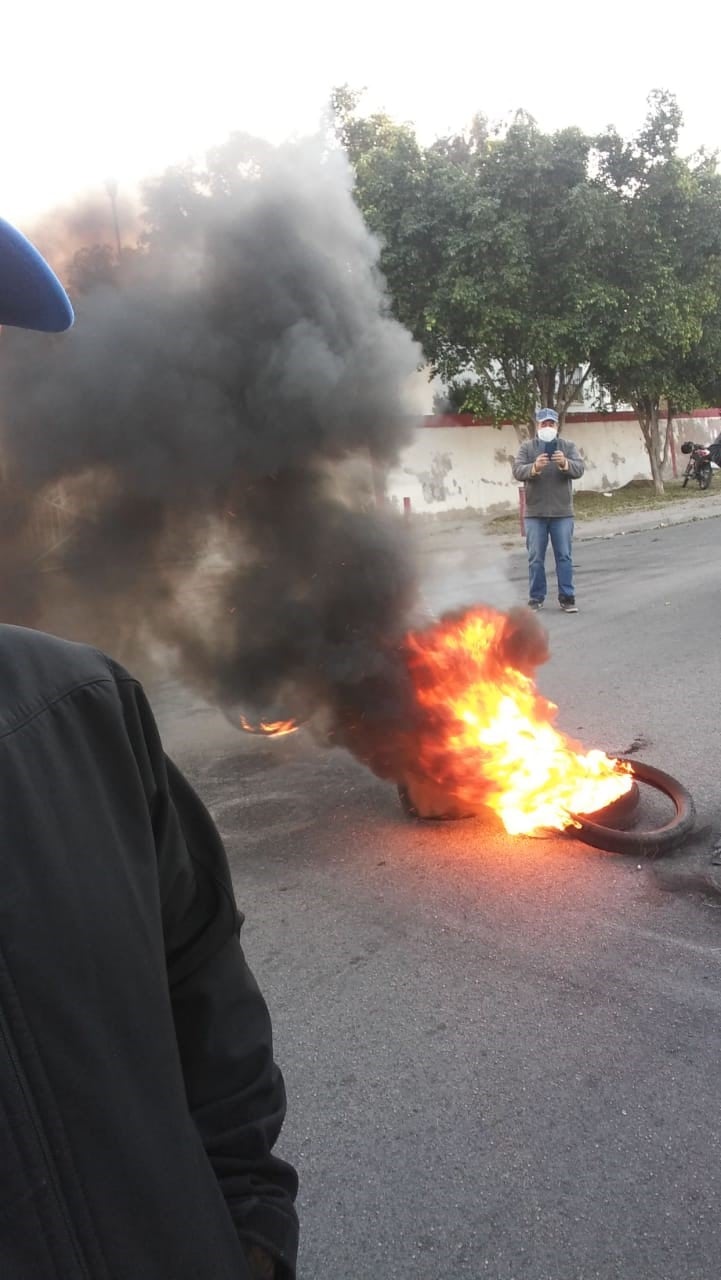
point(523, 462)
point(576, 465)
point(235, 1091)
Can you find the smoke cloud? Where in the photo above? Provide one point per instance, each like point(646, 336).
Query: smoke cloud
point(389, 728)
point(201, 442)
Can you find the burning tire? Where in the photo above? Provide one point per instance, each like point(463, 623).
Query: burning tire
point(618, 813)
point(446, 811)
point(649, 844)
point(614, 816)
point(606, 829)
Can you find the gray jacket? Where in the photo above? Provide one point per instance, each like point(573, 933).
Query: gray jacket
point(550, 493)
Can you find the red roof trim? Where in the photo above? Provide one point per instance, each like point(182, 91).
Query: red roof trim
point(624, 415)
point(698, 413)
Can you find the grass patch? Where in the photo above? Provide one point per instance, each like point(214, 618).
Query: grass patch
point(639, 495)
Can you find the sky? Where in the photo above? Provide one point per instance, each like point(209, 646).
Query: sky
point(93, 92)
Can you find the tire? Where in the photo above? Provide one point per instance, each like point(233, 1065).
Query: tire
point(453, 814)
point(619, 812)
point(616, 815)
point(648, 844)
point(704, 477)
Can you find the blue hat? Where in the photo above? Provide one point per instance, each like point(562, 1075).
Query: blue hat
point(31, 296)
point(546, 415)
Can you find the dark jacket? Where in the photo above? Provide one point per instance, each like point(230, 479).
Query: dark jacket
point(139, 1101)
point(550, 493)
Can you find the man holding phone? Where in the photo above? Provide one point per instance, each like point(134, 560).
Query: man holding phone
point(548, 464)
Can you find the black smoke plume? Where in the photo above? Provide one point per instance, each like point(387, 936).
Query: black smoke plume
point(388, 725)
point(201, 445)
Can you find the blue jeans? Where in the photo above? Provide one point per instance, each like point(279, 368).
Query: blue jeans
point(560, 530)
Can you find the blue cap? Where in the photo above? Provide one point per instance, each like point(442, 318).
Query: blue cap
point(546, 415)
point(31, 296)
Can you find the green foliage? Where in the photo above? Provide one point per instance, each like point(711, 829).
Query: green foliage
point(493, 252)
point(664, 267)
point(91, 266)
point(525, 262)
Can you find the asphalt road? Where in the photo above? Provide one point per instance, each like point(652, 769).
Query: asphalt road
point(502, 1056)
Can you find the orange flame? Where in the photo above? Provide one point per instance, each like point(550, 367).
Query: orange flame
point(491, 740)
point(269, 728)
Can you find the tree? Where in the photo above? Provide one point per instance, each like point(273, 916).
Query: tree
point(91, 266)
point(493, 249)
point(664, 261)
point(537, 257)
point(700, 373)
point(405, 203)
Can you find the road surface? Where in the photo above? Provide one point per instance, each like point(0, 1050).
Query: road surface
point(502, 1056)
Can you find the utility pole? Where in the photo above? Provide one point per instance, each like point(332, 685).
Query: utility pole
point(111, 187)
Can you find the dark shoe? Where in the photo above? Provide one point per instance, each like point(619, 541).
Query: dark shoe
point(568, 606)
point(535, 605)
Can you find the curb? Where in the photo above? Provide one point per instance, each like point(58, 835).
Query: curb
point(457, 528)
point(599, 534)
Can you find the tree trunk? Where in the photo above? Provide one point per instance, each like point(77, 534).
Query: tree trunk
point(647, 411)
point(570, 386)
point(667, 450)
point(558, 386)
point(545, 377)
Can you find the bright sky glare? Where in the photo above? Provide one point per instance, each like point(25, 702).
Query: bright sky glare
point(93, 92)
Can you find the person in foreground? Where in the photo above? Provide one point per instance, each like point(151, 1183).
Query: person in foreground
point(548, 465)
point(139, 1098)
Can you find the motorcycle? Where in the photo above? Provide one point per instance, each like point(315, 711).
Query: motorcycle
point(698, 467)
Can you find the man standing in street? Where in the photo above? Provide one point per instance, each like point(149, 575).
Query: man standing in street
point(548, 465)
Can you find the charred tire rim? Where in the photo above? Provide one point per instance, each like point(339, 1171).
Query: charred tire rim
point(617, 812)
point(614, 814)
point(410, 810)
point(649, 844)
point(407, 804)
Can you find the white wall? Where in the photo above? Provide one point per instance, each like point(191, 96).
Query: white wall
point(451, 467)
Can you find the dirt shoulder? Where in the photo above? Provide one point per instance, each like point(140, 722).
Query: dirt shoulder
point(598, 515)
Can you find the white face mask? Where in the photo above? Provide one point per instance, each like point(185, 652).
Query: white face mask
point(547, 434)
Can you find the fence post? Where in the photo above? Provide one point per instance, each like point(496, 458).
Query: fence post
point(522, 509)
